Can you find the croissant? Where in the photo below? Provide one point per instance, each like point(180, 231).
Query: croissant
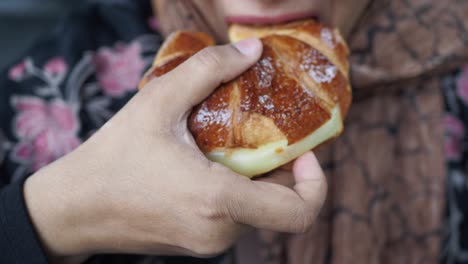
point(292, 100)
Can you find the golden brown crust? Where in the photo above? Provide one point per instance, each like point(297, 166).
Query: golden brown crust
point(183, 43)
point(325, 39)
point(177, 48)
point(288, 94)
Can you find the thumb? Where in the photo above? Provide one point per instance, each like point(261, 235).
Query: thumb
point(310, 180)
point(195, 79)
point(275, 207)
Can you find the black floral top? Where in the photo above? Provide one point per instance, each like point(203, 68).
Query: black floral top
point(70, 83)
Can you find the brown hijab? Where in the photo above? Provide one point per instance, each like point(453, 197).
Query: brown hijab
point(386, 172)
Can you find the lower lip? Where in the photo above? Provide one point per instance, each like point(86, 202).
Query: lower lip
point(272, 19)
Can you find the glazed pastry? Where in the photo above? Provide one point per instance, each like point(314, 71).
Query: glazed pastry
point(292, 100)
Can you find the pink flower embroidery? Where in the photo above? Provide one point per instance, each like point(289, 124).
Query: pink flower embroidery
point(46, 131)
point(462, 85)
point(453, 149)
point(55, 66)
point(153, 22)
point(17, 72)
point(455, 132)
point(454, 126)
point(119, 69)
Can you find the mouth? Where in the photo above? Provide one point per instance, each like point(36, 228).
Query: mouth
point(262, 20)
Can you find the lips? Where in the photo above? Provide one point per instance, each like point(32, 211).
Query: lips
point(262, 20)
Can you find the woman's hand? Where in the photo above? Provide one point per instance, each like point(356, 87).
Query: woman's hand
point(141, 185)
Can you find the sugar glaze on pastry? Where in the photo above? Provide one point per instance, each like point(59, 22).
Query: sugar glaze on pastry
point(292, 100)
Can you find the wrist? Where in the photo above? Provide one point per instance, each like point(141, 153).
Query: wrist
point(57, 205)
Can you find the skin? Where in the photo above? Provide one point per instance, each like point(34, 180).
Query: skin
point(342, 14)
point(141, 185)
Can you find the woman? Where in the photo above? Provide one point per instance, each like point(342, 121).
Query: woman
point(110, 195)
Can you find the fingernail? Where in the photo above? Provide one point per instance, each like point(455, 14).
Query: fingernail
point(248, 47)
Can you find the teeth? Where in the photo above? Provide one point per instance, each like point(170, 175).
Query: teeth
point(251, 162)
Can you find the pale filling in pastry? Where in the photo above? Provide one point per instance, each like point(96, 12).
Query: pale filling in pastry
point(251, 162)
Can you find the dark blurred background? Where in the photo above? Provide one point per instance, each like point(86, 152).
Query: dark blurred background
point(22, 21)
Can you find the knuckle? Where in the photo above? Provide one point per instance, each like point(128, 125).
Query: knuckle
point(158, 97)
point(229, 200)
point(210, 242)
point(213, 202)
point(223, 183)
point(303, 220)
point(210, 58)
point(209, 250)
point(219, 201)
